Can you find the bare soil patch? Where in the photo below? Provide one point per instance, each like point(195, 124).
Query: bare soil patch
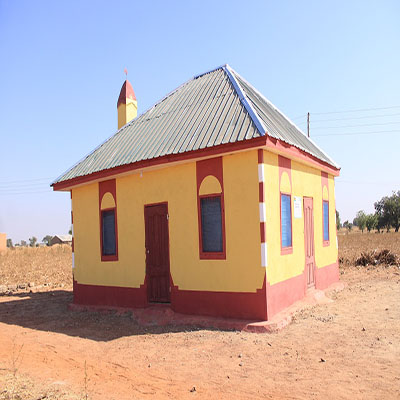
point(346, 349)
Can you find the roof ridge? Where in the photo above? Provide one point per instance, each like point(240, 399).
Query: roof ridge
point(243, 99)
point(285, 116)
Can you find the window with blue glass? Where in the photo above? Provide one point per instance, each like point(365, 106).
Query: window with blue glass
point(286, 220)
point(211, 224)
point(325, 209)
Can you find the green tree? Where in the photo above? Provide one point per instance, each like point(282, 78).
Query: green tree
point(70, 230)
point(371, 222)
point(381, 214)
point(393, 206)
point(47, 239)
point(360, 220)
point(23, 243)
point(338, 224)
point(32, 241)
point(388, 211)
point(10, 243)
point(348, 225)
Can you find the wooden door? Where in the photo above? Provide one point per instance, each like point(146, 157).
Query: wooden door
point(309, 241)
point(157, 253)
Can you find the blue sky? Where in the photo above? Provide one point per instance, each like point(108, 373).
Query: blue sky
point(62, 68)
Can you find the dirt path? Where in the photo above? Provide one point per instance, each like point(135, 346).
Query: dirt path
point(347, 349)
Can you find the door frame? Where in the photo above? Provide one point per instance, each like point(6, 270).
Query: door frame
point(305, 245)
point(145, 251)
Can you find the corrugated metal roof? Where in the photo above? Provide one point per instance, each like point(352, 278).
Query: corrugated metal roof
point(278, 125)
point(214, 108)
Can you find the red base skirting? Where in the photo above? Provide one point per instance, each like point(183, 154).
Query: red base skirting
point(283, 294)
point(261, 305)
point(110, 295)
point(327, 275)
point(220, 304)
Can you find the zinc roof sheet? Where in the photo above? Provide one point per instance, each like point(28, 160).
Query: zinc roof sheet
point(214, 108)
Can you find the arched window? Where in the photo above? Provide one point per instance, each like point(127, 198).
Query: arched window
point(108, 221)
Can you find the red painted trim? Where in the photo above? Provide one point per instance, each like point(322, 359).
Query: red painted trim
point(114, 296)
point(262, 232)
point(261, 195)
point(125, 93)
point(293, 151)
point(260, 305)
point(72, 244)
point(208, 152)
point(285, 165)
point(190, 155)
point(108, 187)
point(72, 217)
point(327, 275)
point(283, 294)
point(213, 167)
point(307, 199)
point(260, 155)
point(288, 249)
point(243, 305)
point(325, 243)
point(212, 255)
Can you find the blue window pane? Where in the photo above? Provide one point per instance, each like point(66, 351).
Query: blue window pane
point(211, 224)
point(109, 243)
point(286, 221)
point(326, 220)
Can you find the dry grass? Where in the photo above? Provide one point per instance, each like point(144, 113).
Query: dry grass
point(352, 245)
point(357, 335)
point(22, 388)
point(39, 265)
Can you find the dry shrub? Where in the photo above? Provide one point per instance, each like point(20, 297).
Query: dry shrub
point(374, 257)
point(38, 265)
point(372, 249)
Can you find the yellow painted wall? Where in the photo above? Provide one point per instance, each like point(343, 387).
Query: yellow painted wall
point(306, 181)
point(240, 272)
point(126, 112)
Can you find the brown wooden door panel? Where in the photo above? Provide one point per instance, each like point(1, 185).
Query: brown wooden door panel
point(157, 253)
point(309, 241)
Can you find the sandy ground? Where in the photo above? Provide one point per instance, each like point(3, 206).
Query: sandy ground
point(346, 349)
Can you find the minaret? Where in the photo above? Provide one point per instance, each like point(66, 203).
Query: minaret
point(127, 104)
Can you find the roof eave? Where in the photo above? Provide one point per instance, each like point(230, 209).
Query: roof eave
point(267, 142)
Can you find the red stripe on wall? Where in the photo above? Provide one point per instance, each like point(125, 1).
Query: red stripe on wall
point(262, 232)
point(260, 156)
point(261, 192)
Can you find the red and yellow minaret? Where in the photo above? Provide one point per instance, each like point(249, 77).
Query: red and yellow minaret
point(127, 104)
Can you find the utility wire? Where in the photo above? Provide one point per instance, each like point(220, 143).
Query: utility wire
point(355, 110)
point(26, 193)
point(357, 133)
point(26, 185)
point(26, 180)
point(300, 116)
point(349, 118)
point(356, 125)
point(367, 183)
